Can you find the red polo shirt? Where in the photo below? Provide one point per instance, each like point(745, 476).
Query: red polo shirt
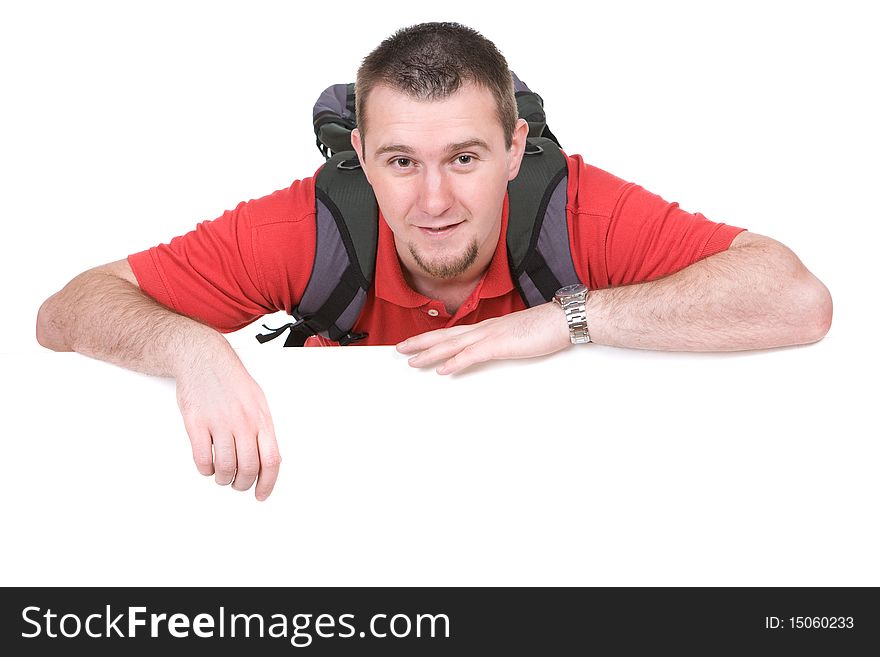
point(257, 259)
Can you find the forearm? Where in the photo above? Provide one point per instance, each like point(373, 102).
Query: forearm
point(756, 296)
point(103, 316)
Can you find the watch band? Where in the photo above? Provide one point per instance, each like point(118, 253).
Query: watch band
point(573, 300)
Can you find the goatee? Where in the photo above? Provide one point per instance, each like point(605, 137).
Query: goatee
point(450, 267)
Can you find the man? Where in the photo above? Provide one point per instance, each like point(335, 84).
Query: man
point(438, 139)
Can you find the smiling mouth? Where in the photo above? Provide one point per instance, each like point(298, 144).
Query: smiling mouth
point(443, 230)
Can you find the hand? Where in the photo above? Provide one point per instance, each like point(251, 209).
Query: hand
point(533, 332)
point(227, 418)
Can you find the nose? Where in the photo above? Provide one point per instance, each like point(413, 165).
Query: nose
point(435, 193)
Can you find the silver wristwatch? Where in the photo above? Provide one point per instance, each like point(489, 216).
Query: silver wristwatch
point(573, 300)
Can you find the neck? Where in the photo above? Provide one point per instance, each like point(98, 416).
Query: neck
point(451, 292)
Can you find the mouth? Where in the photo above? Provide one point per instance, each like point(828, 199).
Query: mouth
point(439, 231)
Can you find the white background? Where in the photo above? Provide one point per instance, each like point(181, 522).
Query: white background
point(124, 125)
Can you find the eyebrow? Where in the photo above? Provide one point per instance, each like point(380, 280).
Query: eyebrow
point(450, 148)
point(394, 148)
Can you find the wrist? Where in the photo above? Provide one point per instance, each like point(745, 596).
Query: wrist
point(200, 348)
point(572, 299)
point(561, 334)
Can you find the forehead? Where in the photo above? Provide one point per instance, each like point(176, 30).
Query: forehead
point(395, 118)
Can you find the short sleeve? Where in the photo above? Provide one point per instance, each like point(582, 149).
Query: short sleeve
point(623, 234)
point(251, 261)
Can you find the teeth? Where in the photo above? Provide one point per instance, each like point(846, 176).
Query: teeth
point(441, 229)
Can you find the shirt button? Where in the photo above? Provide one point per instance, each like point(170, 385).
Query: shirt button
point(433, 312)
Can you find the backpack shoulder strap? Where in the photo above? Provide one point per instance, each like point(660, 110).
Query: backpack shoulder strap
point(538, 247)
point(345, 255)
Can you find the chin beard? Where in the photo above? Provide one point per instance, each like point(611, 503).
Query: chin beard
point(449, 267)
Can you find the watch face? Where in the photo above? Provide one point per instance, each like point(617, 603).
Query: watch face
point(569, 290)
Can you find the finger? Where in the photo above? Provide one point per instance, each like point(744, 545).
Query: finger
point(446, 349)
point(247, 459)
point(270, 462)
point(200, 441)
point(429, 339)
point(479, 352)
point(224, 457)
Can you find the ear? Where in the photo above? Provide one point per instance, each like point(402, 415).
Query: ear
point(517, 148)
point(358, 145)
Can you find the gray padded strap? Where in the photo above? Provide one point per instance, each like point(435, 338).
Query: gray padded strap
point(537, 230)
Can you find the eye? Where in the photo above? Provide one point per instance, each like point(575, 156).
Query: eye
point(402, 162)
point(464, 159)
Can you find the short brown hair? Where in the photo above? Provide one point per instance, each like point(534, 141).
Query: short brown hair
point(431, 61)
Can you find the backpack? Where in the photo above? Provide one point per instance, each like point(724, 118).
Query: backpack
point(538, 246)
point(334, 116)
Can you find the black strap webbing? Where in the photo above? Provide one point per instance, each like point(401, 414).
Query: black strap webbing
point(340, 298)
point(541, 274)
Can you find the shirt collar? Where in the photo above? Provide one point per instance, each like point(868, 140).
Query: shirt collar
point(392, 286)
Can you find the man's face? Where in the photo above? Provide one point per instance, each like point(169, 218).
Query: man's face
point(439, 170)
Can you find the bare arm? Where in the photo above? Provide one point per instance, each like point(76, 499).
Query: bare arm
point(102, 313)
point(755, 295)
